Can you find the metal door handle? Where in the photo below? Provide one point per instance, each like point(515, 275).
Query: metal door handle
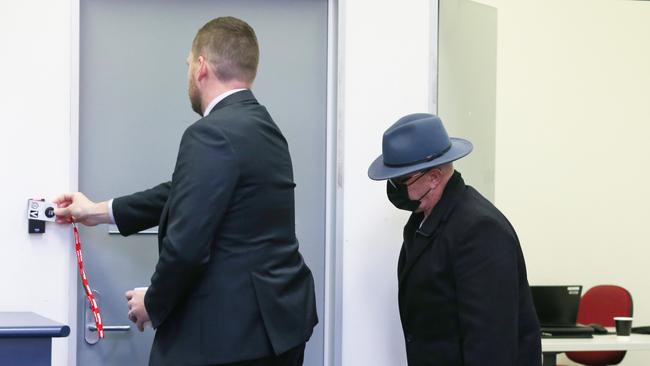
point(111, 328)
point(90, 329)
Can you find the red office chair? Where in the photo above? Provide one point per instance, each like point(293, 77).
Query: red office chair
point(600, 305)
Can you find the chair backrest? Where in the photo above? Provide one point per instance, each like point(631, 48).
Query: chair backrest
point(600, 305)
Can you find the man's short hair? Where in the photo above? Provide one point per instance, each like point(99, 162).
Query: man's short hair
point(230, 46)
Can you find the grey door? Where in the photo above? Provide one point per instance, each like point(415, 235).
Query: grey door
point(134, 108)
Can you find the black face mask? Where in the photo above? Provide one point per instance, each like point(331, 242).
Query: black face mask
point(398, 195)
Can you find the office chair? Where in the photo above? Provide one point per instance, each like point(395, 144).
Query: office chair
point(600, 305)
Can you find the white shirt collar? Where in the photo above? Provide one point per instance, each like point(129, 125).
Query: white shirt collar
point(218, 99)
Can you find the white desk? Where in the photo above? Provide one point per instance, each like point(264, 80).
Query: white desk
point(552, 346)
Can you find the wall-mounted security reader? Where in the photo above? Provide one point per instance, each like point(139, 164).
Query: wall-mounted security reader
point(38, 212)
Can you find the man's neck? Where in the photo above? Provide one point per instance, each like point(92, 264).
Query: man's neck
point(218, 89)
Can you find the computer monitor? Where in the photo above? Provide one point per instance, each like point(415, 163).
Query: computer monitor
point(556, 306)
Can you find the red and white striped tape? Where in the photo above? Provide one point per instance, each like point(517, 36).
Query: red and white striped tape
point(84, 280)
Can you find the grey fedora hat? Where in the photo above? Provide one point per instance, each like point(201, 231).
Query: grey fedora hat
point(416, 142)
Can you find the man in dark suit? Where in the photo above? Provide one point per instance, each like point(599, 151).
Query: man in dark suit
point(464, 297)
point(230, 286)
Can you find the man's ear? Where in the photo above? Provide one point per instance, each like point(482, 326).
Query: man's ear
point(435, 177)
point(202, 69)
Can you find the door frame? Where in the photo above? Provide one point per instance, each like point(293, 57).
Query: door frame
point(333, 188)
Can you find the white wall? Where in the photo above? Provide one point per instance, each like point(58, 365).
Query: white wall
point(35, 146)
point(572, 141)
point(385, 73)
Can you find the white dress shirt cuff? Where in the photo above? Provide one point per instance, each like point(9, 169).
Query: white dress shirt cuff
point(110, 211)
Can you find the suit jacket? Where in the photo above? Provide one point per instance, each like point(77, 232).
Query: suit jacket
point(230, 283)
point(463, 293)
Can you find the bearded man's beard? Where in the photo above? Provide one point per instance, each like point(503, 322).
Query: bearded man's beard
point(195, 98)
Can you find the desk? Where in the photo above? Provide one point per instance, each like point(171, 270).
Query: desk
point(552, 346)
point(26, 338)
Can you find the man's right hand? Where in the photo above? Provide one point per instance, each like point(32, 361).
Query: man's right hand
point(78, 208)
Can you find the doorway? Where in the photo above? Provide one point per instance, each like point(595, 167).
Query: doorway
point(134, 108)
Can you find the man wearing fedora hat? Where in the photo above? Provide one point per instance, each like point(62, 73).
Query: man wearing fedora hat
point(463, 293)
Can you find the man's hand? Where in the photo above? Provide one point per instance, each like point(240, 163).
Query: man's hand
point(137, 312)
point(76, 206)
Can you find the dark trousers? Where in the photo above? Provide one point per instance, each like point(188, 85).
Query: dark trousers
point(292, 357)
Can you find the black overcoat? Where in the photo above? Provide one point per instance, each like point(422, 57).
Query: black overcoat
point(463, 292)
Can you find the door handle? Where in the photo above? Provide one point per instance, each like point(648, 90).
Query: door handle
point(110, 328)
point(90, 329)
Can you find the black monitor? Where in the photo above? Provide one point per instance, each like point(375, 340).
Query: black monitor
point(556, 306)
